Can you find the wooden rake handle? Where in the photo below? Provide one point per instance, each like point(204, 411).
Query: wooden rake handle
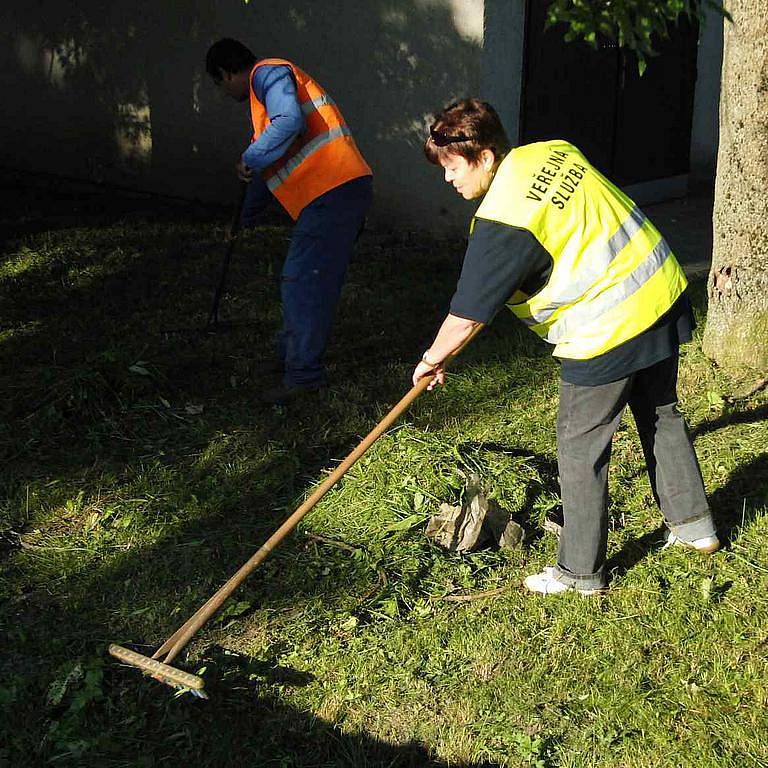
point(179, 639)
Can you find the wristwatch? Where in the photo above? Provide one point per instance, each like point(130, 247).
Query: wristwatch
point(425, 359)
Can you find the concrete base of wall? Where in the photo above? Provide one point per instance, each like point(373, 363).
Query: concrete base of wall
point(658, 190)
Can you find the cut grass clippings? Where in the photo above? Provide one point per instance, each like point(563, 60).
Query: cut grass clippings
point(140, 471)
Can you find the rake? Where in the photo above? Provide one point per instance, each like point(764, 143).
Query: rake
point(231, 238)
point(159, 665)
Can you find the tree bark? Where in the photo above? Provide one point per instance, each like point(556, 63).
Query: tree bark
point(737, 319)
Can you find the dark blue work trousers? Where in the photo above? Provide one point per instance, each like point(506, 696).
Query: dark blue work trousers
point(313, 274)
point(587, 420)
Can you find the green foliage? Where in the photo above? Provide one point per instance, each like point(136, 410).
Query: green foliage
point(76, 687)
point(632, 24)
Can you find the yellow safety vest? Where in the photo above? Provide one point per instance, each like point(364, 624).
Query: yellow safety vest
point(613, 276)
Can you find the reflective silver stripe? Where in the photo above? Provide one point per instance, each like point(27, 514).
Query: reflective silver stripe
point(598, 263)
point(626, 231)
point(273, 182)
point(313, 104)
point(578, 316)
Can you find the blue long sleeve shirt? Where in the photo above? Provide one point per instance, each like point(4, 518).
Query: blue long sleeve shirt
point(275, 88)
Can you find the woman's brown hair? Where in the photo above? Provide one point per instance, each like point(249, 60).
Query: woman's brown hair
point(466, 128)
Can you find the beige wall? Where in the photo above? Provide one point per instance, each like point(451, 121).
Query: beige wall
point(117, 91)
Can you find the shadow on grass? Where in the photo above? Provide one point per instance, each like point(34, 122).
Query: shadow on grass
point(247, 722)
point(729, 508)
point(730, 505)
point(278, 731)
point(76, 415)
point(634, 551)
point(729, 418)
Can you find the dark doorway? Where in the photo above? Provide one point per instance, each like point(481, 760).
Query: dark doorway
point(634, 129)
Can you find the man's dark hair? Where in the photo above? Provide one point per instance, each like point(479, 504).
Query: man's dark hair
point(228, 55)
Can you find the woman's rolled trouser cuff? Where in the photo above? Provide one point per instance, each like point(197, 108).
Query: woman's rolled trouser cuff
point(694, 527)
point(581, 580)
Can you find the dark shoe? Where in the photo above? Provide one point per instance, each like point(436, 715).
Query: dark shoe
point(282, 394)
point(269, 366)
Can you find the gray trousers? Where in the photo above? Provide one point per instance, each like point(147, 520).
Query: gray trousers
point(586, 422)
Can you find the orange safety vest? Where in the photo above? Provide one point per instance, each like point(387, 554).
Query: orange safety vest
point(321, 158)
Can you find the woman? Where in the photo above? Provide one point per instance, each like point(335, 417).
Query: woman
point(580, 264)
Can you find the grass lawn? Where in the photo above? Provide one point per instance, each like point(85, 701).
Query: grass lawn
point(139, 471)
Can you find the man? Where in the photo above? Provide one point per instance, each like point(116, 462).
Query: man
point(303, 154)
point(581, 265)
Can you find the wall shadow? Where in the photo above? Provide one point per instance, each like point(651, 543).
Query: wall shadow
point(123, 90)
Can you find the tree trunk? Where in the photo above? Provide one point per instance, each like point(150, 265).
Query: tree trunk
point(736, 336)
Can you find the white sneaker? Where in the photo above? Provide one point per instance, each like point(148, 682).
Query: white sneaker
point(707, 545)
point(547, 583)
